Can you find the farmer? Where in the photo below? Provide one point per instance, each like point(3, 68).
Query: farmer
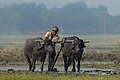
point(54, 37)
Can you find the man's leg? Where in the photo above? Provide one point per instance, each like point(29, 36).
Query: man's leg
point(51, 58)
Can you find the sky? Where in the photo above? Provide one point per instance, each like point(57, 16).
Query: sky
point(112, 5)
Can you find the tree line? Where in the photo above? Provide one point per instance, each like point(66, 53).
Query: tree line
point(74, 18)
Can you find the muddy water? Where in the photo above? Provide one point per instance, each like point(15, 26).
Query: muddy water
point(24, 67)
point(60, 69)
point(86, 62)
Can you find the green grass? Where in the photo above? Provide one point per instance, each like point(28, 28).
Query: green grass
point(56, 77)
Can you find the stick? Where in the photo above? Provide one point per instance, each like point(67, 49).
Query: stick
point(66, 41)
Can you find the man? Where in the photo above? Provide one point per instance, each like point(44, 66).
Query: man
point(53, 36)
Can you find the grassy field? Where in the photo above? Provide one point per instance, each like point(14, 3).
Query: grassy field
point(56, 77)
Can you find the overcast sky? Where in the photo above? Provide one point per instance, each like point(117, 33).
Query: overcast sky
point(112, 5)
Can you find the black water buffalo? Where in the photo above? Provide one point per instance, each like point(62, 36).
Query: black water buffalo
point(34, 50)
point(72, 52)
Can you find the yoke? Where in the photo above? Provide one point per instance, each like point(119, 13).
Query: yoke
point(64, 41)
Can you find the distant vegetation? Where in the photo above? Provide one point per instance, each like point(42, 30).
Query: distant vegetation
point(75, 18)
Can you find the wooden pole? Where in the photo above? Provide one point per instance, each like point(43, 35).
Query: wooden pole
point(66, 41)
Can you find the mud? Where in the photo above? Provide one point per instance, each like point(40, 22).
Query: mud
point(24, 69)
point(9, 63)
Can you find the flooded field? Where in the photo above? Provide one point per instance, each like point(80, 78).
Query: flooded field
point(101, 56)
point(23, 68)
point(19, 66)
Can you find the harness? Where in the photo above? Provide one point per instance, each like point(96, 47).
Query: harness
point(70, 48)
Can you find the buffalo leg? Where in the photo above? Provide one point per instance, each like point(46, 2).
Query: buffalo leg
point(68, 61)
point(29, 62)
point(78, 65)
point(33, 63)
point(42, 66)
point(50, 61)
point(73, 69)
point(65, 63)
point(79, 59)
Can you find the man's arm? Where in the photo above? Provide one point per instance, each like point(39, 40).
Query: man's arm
point(56, 38)
point(47, 35)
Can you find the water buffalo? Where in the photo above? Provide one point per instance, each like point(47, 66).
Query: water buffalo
point(34, 50)
point(72, 52)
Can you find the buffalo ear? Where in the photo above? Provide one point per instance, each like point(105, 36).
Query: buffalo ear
point(40, 48)
point(42, 42)
point(39, 42)
point(83, 46)
point(40, 45)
